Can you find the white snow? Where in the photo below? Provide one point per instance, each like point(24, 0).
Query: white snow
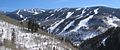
point(30, 10)
point(90, 35)
point(47, 18)
point(50, 11)
point(18, 12)
point(78, 9)
point(53, 27)
point(27, 40)
point(35, 13)
point(96, 11)
point(21, 16)
point(83, 11)
point(111, 20)
point(43, 10)
point(88, 13)
point(24, 19)
point(66, 27)
point(69, 14)
point(51, 14)
point(103, 42)
point(58, 9)
point(82, 23)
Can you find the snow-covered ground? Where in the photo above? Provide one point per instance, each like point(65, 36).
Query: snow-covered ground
point(25, 40)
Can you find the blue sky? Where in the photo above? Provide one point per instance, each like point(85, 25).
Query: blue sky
point(11, 5)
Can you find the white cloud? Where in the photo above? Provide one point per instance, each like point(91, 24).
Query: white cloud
point(94, 5)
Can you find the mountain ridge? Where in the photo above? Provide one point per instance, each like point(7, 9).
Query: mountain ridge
point(76, 23)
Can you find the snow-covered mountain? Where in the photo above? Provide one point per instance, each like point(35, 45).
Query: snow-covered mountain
point(23, 14)
point(75, 24)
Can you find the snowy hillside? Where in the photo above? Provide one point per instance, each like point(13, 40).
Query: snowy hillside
point(15, 38)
